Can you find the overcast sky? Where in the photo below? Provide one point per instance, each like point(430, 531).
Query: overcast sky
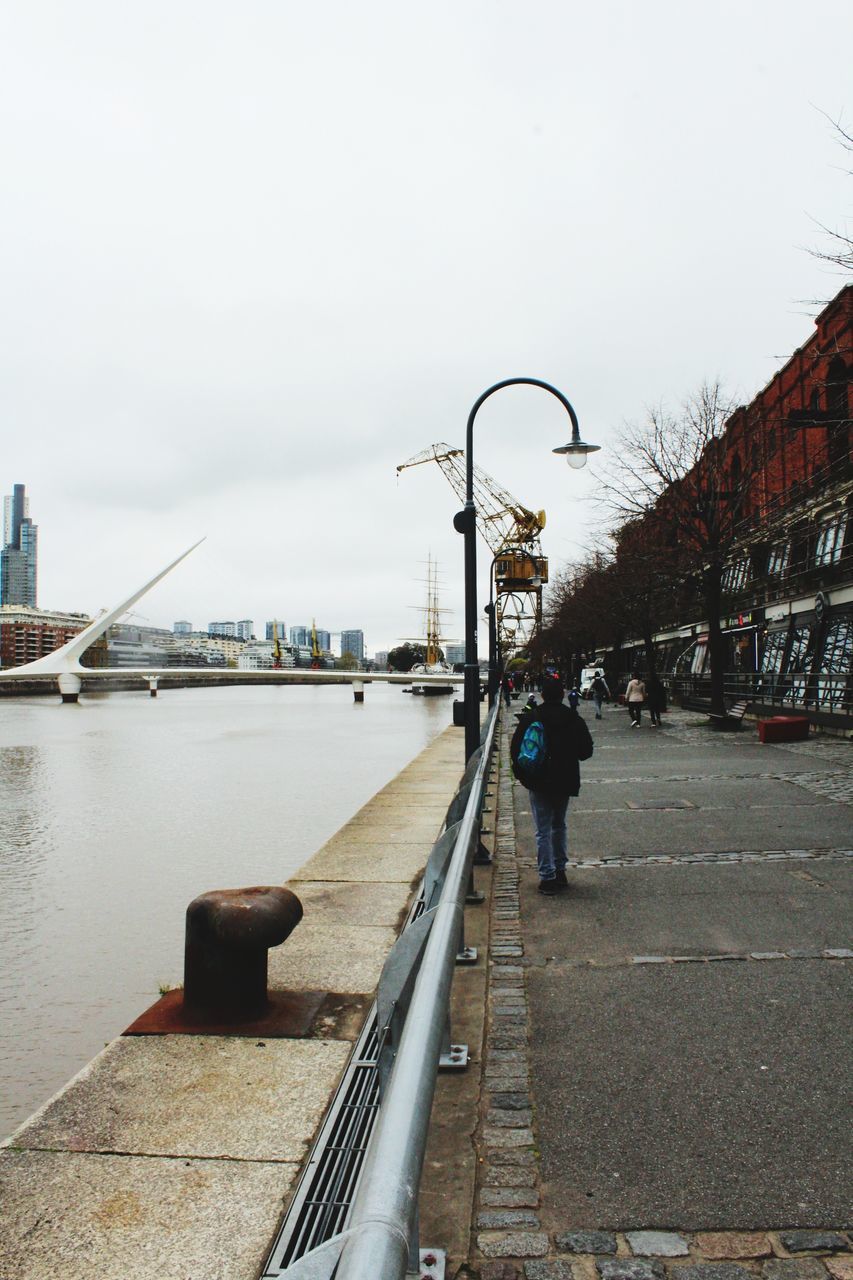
point(254, 255)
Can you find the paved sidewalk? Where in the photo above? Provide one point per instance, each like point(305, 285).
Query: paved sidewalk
point(667, 1060)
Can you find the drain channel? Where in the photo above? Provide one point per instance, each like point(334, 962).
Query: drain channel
point(327, 1186)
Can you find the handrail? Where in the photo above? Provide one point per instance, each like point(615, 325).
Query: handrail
point(384, 1214)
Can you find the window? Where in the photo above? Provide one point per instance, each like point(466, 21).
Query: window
point(698, 664)
point(777, 562)
point(771, 662)
point(836, 664)
point(798, 665)
point(735, 576)
point(774, 650)
point(830, 540)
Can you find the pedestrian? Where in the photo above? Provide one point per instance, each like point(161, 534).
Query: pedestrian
point(506, 689)
point(574, 697)
point(655, 698)
point(566, 742)
point(635, 696)
point(530, 705)
point(600, 691)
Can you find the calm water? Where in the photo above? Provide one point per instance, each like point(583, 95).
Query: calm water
point(116, 812)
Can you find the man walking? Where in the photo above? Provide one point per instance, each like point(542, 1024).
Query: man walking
point(566, 741)
point(600, 691)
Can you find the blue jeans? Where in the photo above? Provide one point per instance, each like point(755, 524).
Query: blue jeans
point(549, 818)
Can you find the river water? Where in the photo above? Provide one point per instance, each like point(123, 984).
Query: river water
point(116, 812)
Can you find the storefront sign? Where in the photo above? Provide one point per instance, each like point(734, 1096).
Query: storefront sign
point(739, 620)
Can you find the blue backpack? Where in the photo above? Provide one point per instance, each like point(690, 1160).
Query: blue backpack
point(531, 759)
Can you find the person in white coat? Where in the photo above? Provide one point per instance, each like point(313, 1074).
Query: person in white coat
point(635, 696)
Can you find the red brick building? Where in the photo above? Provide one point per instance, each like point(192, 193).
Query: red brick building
point(27, 634)
point(788, 578)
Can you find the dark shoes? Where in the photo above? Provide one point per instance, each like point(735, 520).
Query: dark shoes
point(549, 888)
point(560, 880)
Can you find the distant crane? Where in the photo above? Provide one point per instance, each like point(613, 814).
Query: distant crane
point(276, 646)
point(511, 531)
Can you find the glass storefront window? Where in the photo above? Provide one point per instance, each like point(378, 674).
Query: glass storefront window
point(777, 564)
point(835, 665)
point(798, 666)
point(735, 575)
point(771, 661)
point(830, 540)
point(697, 666)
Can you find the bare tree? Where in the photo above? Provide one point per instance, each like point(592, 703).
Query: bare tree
point(681, 481)
point(840, 252)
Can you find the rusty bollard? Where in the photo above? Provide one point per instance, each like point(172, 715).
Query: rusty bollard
point(229, 932)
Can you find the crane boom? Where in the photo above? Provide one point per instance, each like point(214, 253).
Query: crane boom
point(511, 532)
point(502, 519)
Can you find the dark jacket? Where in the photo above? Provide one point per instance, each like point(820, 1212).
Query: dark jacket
point(568, 742)
point(655, 694)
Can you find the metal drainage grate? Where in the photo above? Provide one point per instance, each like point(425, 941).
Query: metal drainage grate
point(326, 1189)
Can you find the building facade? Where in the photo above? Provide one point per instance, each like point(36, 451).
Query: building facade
point(19, 554)
point(353, 642)
point(788, 578)
point(27, 634)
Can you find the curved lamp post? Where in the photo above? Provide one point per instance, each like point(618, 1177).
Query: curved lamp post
point(464, 522)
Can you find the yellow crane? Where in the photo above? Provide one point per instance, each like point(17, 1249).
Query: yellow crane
point(511, 531)
point(501, 518)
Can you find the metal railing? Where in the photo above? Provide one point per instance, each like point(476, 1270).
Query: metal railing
point(379, 1240)
point(819, 693)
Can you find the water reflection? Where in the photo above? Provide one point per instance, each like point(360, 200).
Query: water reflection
point(116, 812)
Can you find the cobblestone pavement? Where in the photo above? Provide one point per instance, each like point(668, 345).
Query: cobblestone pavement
point(509, 1241)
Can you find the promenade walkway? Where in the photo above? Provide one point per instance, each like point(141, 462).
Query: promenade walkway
point(667, 1061)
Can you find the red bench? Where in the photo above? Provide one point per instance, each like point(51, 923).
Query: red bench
point(783, 729)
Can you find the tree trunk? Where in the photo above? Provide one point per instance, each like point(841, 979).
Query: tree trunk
point(712, 579)
point(651, 657)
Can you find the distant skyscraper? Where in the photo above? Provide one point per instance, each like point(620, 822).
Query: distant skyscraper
point(19, 556)
point(300, 636)
point(182, 628)
point(245, 629)
point(324, 641)
point(279, 626)
point(353, 642)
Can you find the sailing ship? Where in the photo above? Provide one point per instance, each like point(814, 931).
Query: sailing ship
point(433, 663)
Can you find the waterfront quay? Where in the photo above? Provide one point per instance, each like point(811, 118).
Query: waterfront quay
point(658, 1083)
point(666, 1068)
point(174, 1155)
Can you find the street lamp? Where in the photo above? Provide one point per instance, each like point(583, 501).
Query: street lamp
point(464, 522)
